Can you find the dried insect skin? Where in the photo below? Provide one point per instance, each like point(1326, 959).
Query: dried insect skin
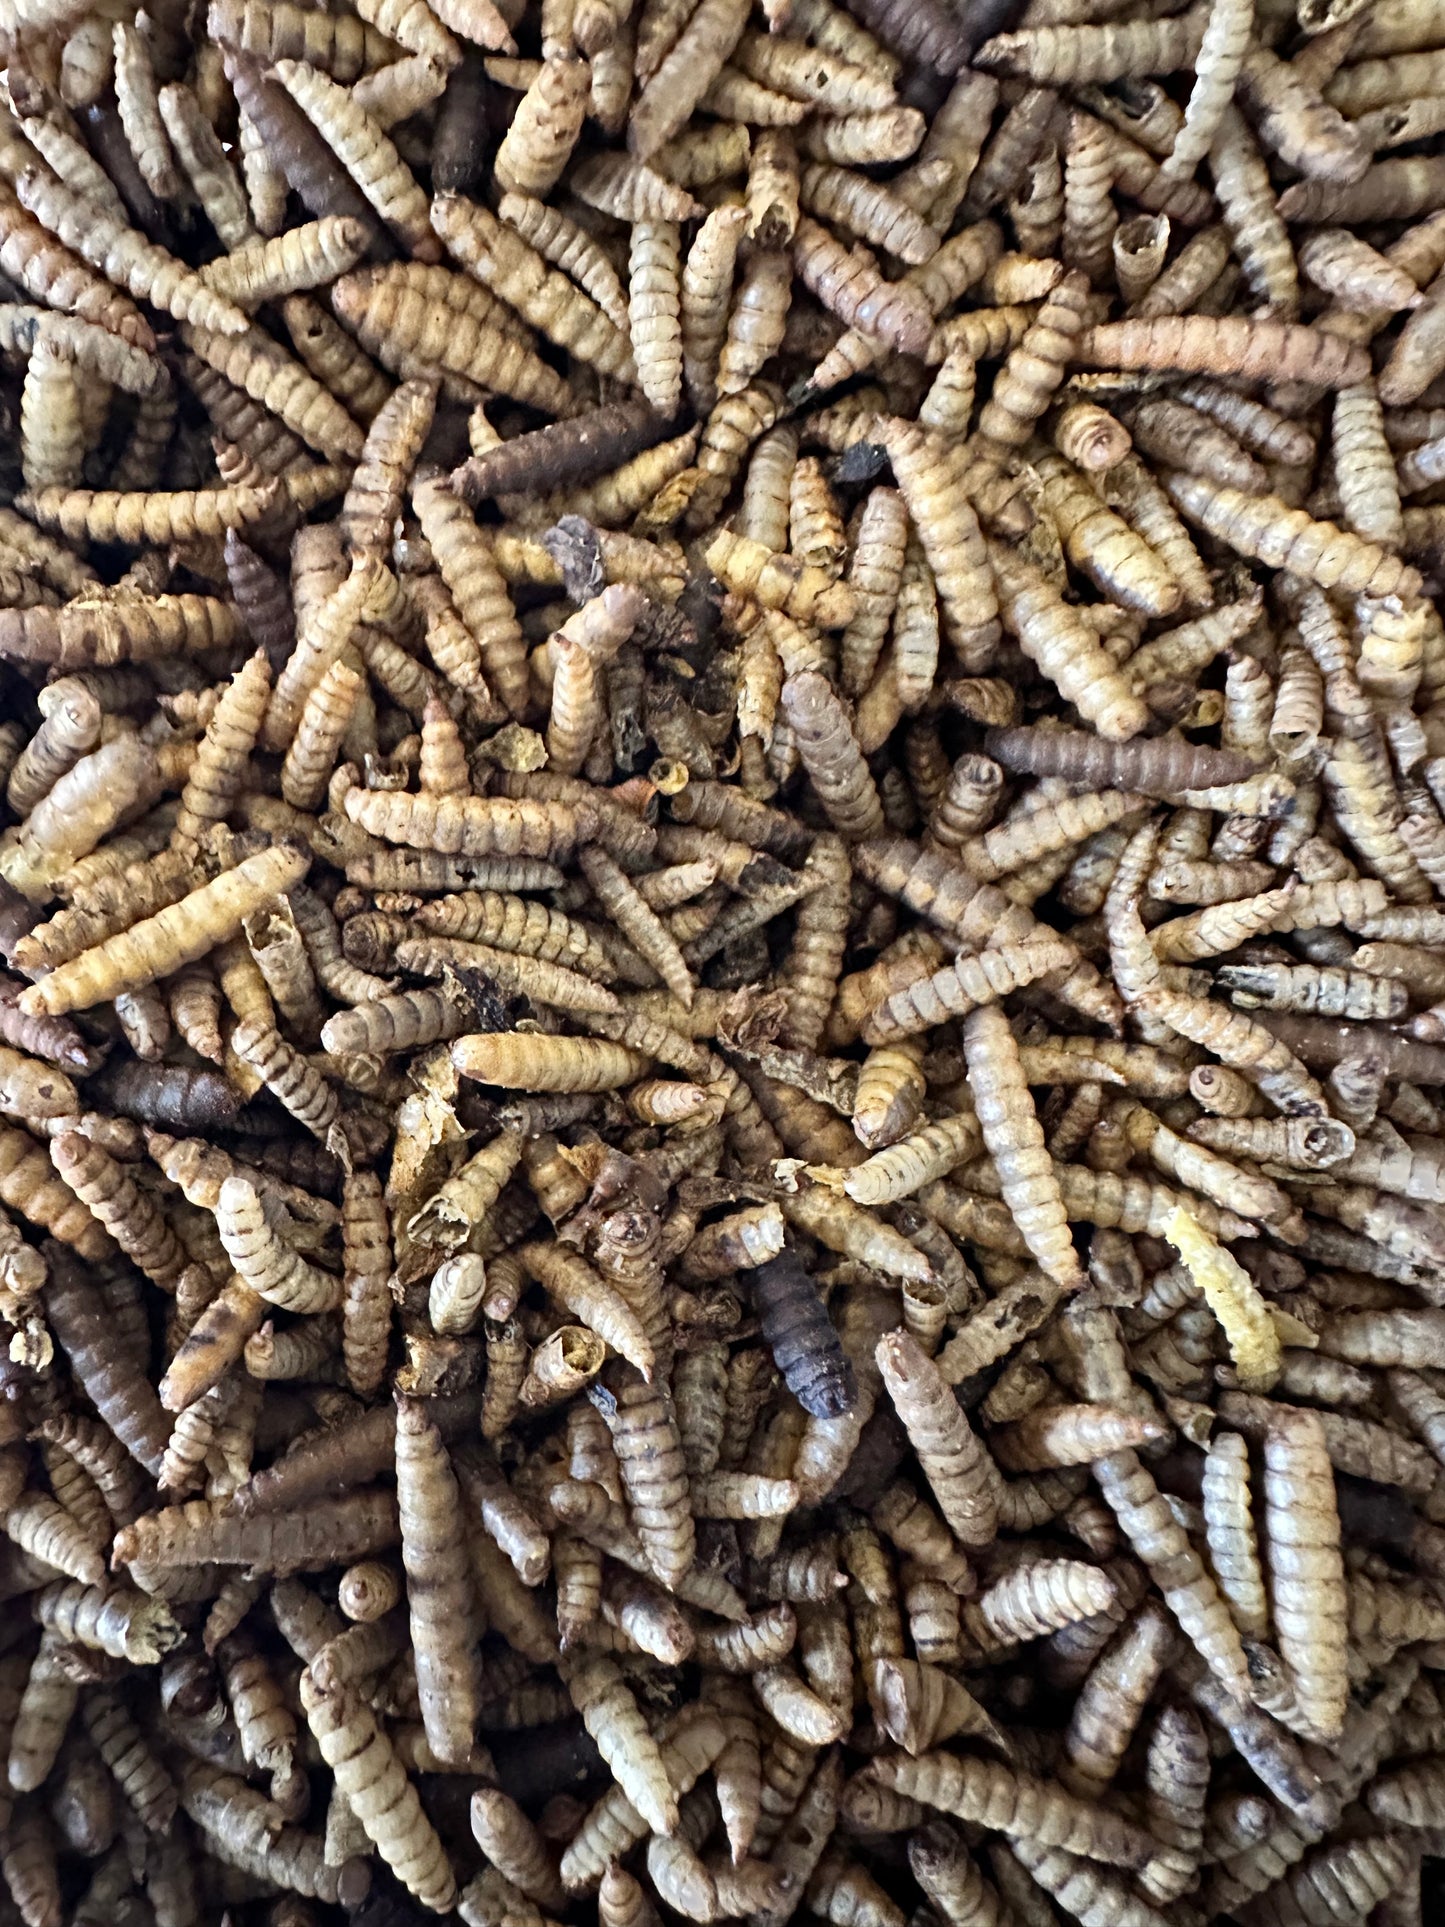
point(1111, 1702)
point(138, 1226)
point(831, 756)
point(195, 1534)
point(848, 285)
point(929, 478)
point(174, 936)
point(612, 1717)
point(409, 330)
point(963, 1477)
point(1015, 1140)
point(1233, 1298)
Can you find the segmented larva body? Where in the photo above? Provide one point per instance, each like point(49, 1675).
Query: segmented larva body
point(376, 1787)
point(796, 1327)
point(1307, 1589)
point(1162, 1545)
point(544, 128)
point(1015, 1803)
point(928, 474)
point(1230, 1535)
point(963, 1477)
point(1015, 1140)
point(1112, 1698)
point(655, 309)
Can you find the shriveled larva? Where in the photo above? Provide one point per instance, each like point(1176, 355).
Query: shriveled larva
point(612, 1717)
point(1019, 1805)
point(850, 287)
point(1015, 1140)
point(1068, 653)
point(1234, 1299)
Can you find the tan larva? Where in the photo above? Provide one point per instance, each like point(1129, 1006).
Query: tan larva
point(378, 1790)
point(1230, 1533)
point(439, 1596)
point(1306, 1573)
point(1017, 1804)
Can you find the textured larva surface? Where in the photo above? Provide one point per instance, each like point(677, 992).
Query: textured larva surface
point(722, 879)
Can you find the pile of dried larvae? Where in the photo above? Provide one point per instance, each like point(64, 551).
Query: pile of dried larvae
point(722, 885)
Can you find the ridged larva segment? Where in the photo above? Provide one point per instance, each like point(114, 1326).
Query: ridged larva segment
point(1033, 371)
point(592, 1299)
point(467, 564)
point(306, 257)
point(929, 477)
point(1177, 1773)
point(816, 954)
point(847, 284)
point(1040, 1598)
point(654, 1474)
point(173, 937)
point(504, 262)
point(615, 1722)
point(1267, 529)
point(797, 1330)
point(1069, 654)
point(138, 1225)
point(544, 128)
point(966, 985)
point(404, 323)
point(1015, 1803)
point(654, 309)
point(219, 773)
point(1058, 1435)
point(1208, 345)
point(124, 256)
point(830, 753)
point(267, 1264)
point(1112, 1698)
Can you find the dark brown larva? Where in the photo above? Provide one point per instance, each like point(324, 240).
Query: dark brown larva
point(797, 1330)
